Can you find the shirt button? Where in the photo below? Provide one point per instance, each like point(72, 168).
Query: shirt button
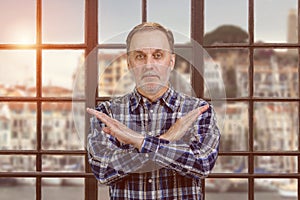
point(150, 180)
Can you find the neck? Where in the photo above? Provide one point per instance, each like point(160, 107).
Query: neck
point(153, 96)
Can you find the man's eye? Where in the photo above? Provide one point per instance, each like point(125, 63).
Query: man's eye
point(139, 56)
point(157, 55)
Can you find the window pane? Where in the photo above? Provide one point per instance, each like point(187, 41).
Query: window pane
point(276, 126)
point(113, 27)
point(16, 163)
point(233, 65)
point(17, 21)
point(219, 188)
point(180, 77)
point(103, 192)
point(275, 189)
point(59, 71)
point(17, 73)
point(78, 136)
point(275, 164)
point(58, 129)
point(114, 77)
point(6, 126)
point(54, 188)
point(17, 125)
point(63, 21)
point(213, 79)
point(23, 188)
point(235, 131)
point(62, 163)
point(275, 21)
point(266, 187)
point(276, 73)
point(231, 164)
point(173, 14)
point(227, 23)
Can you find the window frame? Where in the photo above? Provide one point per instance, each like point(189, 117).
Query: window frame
point(91, 41)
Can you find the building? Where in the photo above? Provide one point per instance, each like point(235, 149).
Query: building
point(5, 128)
point(292, 26)
point(18, 129)
point(292, 30)
point(271, 78)
point(213, 78)
point(114, 77)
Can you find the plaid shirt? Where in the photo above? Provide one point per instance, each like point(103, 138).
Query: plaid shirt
point(162, 169)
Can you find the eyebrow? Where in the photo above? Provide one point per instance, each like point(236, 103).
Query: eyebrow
point(140, 51)
point(137, 51)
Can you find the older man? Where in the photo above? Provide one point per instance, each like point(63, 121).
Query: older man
point(155, 142)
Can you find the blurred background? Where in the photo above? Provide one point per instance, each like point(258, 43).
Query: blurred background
point(254, 49)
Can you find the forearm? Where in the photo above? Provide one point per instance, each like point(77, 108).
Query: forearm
point(181, 157)
point(108, 173)
point(195, 154)
point(111, 164)
point(109, 159)
point(105, 175)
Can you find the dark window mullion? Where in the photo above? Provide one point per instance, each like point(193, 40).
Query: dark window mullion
point(144, 10)
point(197, 34)
point(91, 41)
point(251, 124)
point(251, 101)
point(39, 95)
point(254, 45)
point(197, 31)
point(298, 43)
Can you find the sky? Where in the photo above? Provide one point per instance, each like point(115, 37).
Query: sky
point(63, 21)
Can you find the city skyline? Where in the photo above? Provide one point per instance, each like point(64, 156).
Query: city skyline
point(18, 69)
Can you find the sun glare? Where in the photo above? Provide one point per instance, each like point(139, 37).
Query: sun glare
point(23, 37)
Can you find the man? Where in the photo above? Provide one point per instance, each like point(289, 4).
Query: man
point(153, 143)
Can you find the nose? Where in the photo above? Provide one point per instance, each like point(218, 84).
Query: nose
point(149, 62)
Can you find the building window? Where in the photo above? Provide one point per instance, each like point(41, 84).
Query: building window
point(44, 45)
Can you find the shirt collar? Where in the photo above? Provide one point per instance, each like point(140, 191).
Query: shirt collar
point(171, 99)
point(135, 99)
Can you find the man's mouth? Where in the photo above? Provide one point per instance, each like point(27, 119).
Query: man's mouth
point(150, 76)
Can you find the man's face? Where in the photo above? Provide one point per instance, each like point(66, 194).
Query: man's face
point(150, 60)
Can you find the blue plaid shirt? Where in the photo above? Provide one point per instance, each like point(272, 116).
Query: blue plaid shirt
point(162, 169)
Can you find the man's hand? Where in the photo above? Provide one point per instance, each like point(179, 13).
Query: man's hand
point(118, 130)
point(178, 129)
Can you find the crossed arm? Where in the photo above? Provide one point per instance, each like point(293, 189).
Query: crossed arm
point(195, 159)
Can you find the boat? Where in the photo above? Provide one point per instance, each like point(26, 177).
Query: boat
point(289, 190)
point(26, 181)
point(9, 181)
point(74, 181)
point(52, 181)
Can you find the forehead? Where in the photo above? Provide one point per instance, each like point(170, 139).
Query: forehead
point(149, 40)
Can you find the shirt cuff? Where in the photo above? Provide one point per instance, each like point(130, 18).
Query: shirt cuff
point(151, 144)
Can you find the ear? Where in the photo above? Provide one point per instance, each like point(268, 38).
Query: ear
point(172, 61)
point(128, 63)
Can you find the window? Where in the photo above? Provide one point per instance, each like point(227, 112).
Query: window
point(45, 43)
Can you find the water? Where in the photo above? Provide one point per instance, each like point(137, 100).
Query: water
point(77, 193)
point(244, 196)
